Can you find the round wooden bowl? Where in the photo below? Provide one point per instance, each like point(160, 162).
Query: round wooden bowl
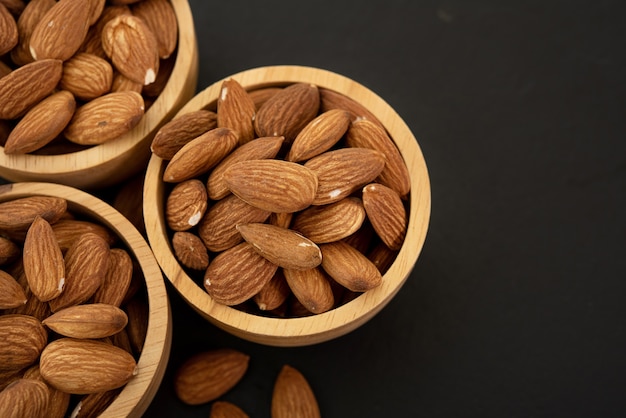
point(136, 396)
point(113, 161)
point(336, 322)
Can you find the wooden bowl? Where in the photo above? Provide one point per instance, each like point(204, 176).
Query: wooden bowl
point(336, 322)
point(109, 163)
point(136, 396)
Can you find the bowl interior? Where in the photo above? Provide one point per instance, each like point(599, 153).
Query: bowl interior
point(336, 322)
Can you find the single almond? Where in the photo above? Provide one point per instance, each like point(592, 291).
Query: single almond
point(288, 111)
point(330, 99)
point(87, 76)
point(94, 404)
point(82, 366)
point(200, 155)
point(27, 85)
point(58, 401)
point(208, 375)
point(28, 19)
point(160, 17)
point(387, 214)
point(137, 310)
point(332, 222)
point(61, 31)
point(343, 171)
point(312, 288)
point(319, 135)
point(23, 339)
point(190, 251)
point(182, 129)
point(260, 96)
point(11, 293)
point(95, 10)
point(105, 118)
point(348, 267)
point(237, 274)
point(117, 278)
point(33, 306)
point(363, 238)
point(15, 7)
point(91, 320)
point(274, 293)
point(9, 34)
point(67, 231)
point(382, 257)
point(225, 409)
point(93, 41)
point(283, 247)
point(292, 395)
point(19, 214)
point(122, 83)
point(41, 124)
point(9, 251)
point(236, 110)
point(281, 219)
point(186, 205)
point(25, 398)
point(272, 185)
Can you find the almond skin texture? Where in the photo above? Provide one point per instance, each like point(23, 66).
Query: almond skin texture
point(387, 214)
point(236, 110)
point(105, 118)
point(186, 205)
point(208, 375)
point(43, 261)
point(273, 185)
point(25, 398)
point(92, 320)
point(332, 222)
point(87, 76)
point(237, 274)
point(85, 366)
point(58, 401)
point(94, 404)
point(348, 267)
point(23, 339)
point(160, 17)
point(174, 134)
point(319, 135)
point(8, 30)
point(9, 251)
point(366, 134)
point(61, 31)
point(224, 409)
point(67, 231)
point(200, 155)
point(28, 19)
point(288, 111)
point(312, 288)
point(281, 246)
point(116, 279)
point(18, 214)
point(27, 85)
point(11, 293)
point(190, 250)
point(274, 293)
point(292, 396)
point(330, 99)
point(344, 171)
point(33, 306)
point(41, 124)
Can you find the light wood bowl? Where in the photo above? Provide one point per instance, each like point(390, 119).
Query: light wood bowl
point(336, 322)
point(109, 163)
point(136, 396)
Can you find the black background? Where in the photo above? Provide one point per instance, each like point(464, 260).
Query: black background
point(515, 307)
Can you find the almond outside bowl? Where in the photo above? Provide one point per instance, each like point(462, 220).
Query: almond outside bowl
point(136, 396)
point(336, 322)
point(116, 160)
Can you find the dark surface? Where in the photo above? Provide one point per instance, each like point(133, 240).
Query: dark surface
point(516, 306)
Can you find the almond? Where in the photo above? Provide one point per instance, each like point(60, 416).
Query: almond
point(23, 339)
point(9, 251)
point(382, 257)
point(25, 398)
point(122, 83)
point(86, 263)
point(137, 328)
point(190, 251)
point(200, 155)
point(28, 19)
point(9, 376)
point(160, 17)
point(27, 85)
point(281, 246)
point(61, 31)
point(43, 261)
point(11, 293)
point(93, 41)
point(281, 219)
point(208, 375)
point(117, 278)
point(237, 274)
point(15, 7)
point(33, 306)
point(8, 30)
point(154, 89)
point(272, 185)
point(292, 395)
point(105, 118)
point(92, 320)
point(18, 214)
point(80, 366)
point(274, 293)
point(132, 47)
point(312, 288)
point(330, 99)
point(258, 149)
point(218, 227)
point(260, 96)
point(332, 222)
point(67, 231)
point(319, 135)
point(95, 10)
point(364, 133)
point(186, 205)
point(87, 76)
point(41, 124)
point(387, 214)
point(288, 111)
point(94, 404)
point(58, 401)
point(224, 409)
point(343, 171)
point(174, 134)
point(128, 200)
point(349, 267)
point(236, 110)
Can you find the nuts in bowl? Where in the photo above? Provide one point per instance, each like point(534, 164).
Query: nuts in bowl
point(85, 86)
point(286, 204)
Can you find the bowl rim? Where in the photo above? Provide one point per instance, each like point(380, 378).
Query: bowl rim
point(137, 394)
point(95, 160)
point(338, 321)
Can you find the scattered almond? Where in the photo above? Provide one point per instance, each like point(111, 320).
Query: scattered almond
point(292, 396)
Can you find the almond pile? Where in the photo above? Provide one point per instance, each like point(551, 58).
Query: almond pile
point(77, 73)
point(73, 311)
point(285, 201)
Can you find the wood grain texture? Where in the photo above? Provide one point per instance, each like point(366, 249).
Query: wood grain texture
point(336, 322)
point(116, 160)
point(139, 392)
